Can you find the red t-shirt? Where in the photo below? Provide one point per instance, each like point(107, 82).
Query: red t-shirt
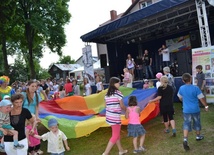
point(68, 88)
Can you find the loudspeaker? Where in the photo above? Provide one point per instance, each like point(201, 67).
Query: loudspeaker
point(195, 39)
point(184, 62)
point(103, 60)
point(107, 74)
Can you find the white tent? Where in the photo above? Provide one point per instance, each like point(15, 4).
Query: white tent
point(96, 66)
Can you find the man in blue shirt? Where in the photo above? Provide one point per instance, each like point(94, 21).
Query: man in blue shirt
point(190, 95)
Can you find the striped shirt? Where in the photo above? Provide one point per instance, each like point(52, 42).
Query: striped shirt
point(113, 109)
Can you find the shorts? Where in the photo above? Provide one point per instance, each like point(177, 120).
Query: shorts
point(189, 118)
point(130, 68)
point(135, 130)
point(6, 126)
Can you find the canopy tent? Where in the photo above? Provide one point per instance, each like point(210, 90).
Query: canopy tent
point(96, 66)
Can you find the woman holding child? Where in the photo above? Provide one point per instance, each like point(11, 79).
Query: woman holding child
point(18, 116)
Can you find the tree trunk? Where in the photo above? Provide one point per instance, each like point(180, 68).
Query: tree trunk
point(29, 35)
point(4, 51)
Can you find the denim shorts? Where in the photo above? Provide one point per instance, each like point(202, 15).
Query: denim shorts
point(190, 118)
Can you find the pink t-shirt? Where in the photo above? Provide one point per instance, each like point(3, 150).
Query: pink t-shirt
point(33, 141)
point(134, 117)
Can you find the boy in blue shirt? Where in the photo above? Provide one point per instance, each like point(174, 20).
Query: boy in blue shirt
point(190, 95)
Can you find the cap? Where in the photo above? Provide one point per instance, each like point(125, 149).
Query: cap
point(166, 69)
point(159, 75)
point(52, 122)
point(146, 80)
point(6, 97)
point(5, 103)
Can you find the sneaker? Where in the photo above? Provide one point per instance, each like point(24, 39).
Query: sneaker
point(199, 137)
point(38, 152)
point(123, 152)
point(18, 146)
point(185, 145)
point(166, 130)
point(137, 151)
point(141, 148)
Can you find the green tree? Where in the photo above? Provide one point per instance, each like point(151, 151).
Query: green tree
point(66, 60)
point(43, 22)
point(7, 12)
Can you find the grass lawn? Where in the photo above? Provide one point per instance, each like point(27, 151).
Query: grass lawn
point(156, 143)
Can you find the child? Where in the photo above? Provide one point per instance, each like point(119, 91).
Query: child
point(55, 138)
point(114, 106)
point(171, 81)
point(190, 94)
point(34, 143)
point(165, 95)
point(87, 87)
point(5, 108)
point(135, 129)
point(126, 76)
point(151, 84)
point(158, 76)
point(62, 93)
point(200, 81)
point(76, 87)
point(146, 84)
point(99, 84)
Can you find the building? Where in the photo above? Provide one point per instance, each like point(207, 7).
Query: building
point(62, 70)
point(147, 24)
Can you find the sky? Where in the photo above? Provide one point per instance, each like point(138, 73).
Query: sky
point(87, 15)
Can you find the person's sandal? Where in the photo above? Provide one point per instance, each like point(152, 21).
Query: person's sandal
point(123, 152)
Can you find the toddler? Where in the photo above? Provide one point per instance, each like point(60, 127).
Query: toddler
point(135, 129)
point(55, 138)
point(146, 84)
point(126, 76)
point(5, 108)
point(34, 143)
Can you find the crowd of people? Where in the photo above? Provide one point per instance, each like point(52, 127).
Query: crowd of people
point(19, 111)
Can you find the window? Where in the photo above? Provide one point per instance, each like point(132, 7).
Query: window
point(145, 4)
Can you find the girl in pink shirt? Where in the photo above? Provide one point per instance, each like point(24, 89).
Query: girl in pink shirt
point(135, 129)
point(33, 143)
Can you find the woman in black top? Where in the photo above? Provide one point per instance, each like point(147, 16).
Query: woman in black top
point(165, 95)
point(18, 116)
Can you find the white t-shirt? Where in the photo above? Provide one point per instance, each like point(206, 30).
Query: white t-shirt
point(55, 142)
point(165, 54)
point(130, 83)
point(158, 83)
point(87, 89)
point(99, 86)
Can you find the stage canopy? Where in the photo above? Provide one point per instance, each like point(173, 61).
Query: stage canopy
point(166, 17)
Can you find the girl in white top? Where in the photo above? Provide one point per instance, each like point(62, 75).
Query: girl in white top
point(76, 87)
point(87, 87)
point(130, 64)
point(99, 84)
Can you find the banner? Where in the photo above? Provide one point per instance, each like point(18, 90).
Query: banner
point(178, 44)
point(205, 57)
point(88, 64)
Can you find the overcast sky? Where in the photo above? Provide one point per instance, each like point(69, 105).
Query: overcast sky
point(87, 15)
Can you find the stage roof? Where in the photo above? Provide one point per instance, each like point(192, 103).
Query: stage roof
point(160, 19)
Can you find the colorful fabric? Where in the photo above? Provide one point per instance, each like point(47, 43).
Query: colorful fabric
point(79, 116)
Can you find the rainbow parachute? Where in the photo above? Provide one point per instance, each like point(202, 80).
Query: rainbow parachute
point(79, 116)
